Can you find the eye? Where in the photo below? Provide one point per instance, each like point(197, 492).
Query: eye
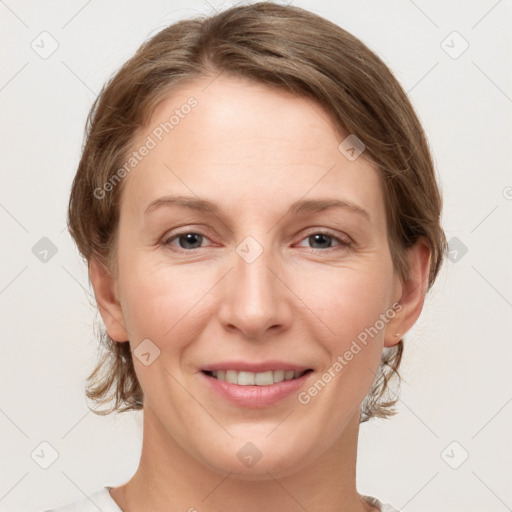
point(186, 240)
point(325, 239)
point(190, 240)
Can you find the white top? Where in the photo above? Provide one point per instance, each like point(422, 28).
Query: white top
point(102, 500)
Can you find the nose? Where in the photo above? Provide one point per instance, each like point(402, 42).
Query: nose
point(255, 300)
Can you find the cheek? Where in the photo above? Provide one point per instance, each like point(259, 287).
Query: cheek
point(346, 300)
point(169, 304)
point(159, 301)
point(349, 303)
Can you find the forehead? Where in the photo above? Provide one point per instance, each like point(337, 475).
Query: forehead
point(231, 138)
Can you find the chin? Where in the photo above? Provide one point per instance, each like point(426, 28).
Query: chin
point(262, 459)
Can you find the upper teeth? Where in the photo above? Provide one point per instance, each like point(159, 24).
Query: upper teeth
point(255, 379)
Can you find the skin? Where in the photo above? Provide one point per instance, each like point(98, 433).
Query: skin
point(253, 151)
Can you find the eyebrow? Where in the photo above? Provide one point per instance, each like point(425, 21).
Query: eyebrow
point(300, 206)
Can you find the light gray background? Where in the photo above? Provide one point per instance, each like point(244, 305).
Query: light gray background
point(457, 358)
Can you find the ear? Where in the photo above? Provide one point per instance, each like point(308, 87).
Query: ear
point(410, 293)
point(106, 297)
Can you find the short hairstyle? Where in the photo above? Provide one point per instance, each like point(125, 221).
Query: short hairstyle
point(287, 48)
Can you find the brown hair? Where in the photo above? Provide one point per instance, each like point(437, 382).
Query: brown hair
point(280, 46)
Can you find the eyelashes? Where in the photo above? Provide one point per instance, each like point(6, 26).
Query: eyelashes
point(317, 236)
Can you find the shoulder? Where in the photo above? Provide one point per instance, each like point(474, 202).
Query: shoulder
point(99, 499)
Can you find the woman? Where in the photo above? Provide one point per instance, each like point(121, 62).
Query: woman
point(259, 211)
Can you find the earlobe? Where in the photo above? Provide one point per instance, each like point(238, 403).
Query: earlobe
point(413, 291)
point(108, 304)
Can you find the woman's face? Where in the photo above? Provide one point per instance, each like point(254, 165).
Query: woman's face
point(254, 279)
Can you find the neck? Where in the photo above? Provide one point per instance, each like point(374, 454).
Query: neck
point(168, 477)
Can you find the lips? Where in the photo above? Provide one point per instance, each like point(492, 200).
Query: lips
point(255, 385)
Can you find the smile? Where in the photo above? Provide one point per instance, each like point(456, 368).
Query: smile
point(255, 389)
point(244, 378)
